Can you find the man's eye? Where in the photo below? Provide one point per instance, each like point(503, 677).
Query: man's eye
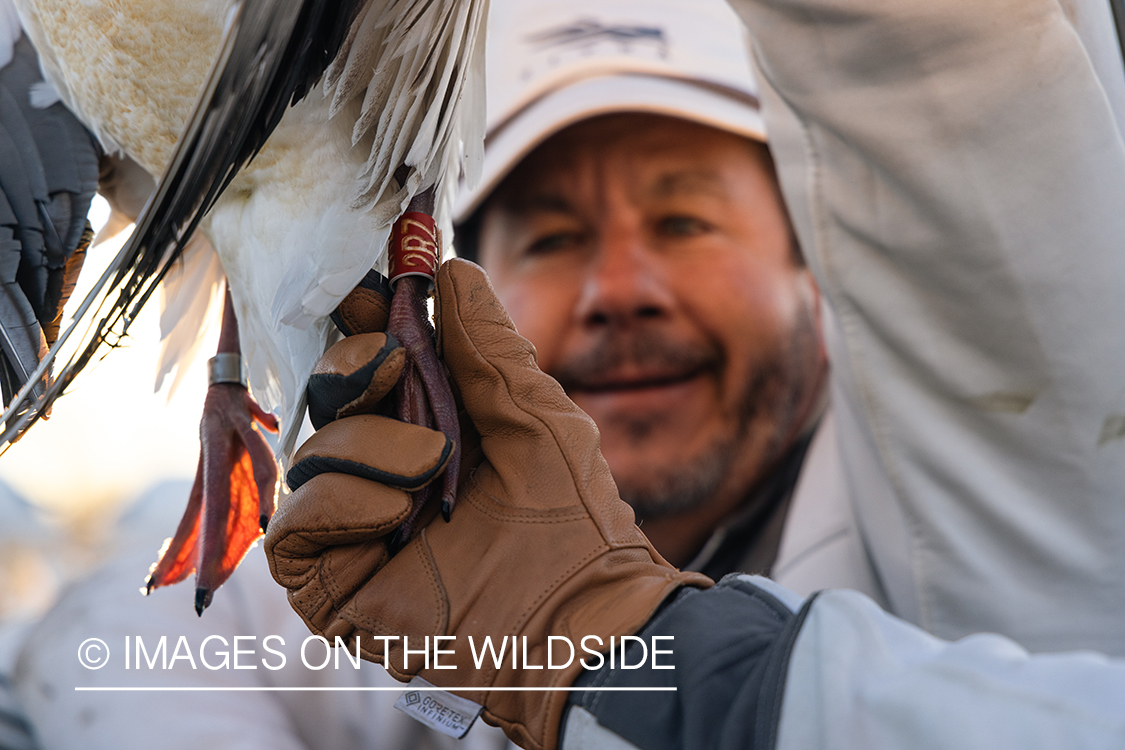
point(682, 226)
point(553, 243)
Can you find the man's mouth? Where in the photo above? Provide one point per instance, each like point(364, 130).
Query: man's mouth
point(626, 381)
point(638, 372)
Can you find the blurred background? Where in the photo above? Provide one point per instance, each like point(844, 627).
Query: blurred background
point(109, 472)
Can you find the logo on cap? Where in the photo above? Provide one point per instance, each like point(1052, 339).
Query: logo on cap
point(588, 32)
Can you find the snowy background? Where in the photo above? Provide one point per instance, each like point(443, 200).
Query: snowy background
point(108, 473)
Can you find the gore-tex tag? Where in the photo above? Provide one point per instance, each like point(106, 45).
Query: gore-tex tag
point(437, 709)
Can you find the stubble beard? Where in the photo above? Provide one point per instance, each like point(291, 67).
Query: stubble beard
point(768, 410)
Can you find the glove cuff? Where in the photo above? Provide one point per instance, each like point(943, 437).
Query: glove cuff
point(534, 720)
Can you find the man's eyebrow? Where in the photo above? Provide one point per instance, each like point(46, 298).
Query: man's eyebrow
point(688, 182)
point(531, 203)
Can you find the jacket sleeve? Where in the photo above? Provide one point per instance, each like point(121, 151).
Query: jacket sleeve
point(956, 177)
point(755, 668)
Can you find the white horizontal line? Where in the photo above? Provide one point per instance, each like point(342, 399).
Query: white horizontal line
point(404, 688)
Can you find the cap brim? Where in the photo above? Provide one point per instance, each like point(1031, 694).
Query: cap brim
point(509, 142)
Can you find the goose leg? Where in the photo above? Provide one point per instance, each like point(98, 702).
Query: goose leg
point(235, 487)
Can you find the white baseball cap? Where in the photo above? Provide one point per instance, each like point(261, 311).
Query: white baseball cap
point(553, 63)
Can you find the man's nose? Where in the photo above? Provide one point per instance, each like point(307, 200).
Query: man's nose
point(626, 282)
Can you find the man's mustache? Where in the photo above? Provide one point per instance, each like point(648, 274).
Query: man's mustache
point(639, 352)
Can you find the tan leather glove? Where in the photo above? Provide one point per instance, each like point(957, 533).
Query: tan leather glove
point(539, 542)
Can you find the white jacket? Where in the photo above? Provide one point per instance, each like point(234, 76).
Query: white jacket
point(956, 176)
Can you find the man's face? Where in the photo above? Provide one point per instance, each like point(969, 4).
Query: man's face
point(650, 262)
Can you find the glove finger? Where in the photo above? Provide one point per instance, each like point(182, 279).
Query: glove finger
point(324, 592)
point(367, 308)
point(523, 416)
point(353, 376)
point(376, 448)
point(330, 510)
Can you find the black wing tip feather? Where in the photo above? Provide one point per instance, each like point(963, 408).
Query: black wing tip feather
point(324, 44)
point(306, 56)
point(303, 41)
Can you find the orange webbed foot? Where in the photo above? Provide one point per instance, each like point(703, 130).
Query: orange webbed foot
point(232, 499)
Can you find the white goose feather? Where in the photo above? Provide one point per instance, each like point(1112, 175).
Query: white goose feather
point(304, 221)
